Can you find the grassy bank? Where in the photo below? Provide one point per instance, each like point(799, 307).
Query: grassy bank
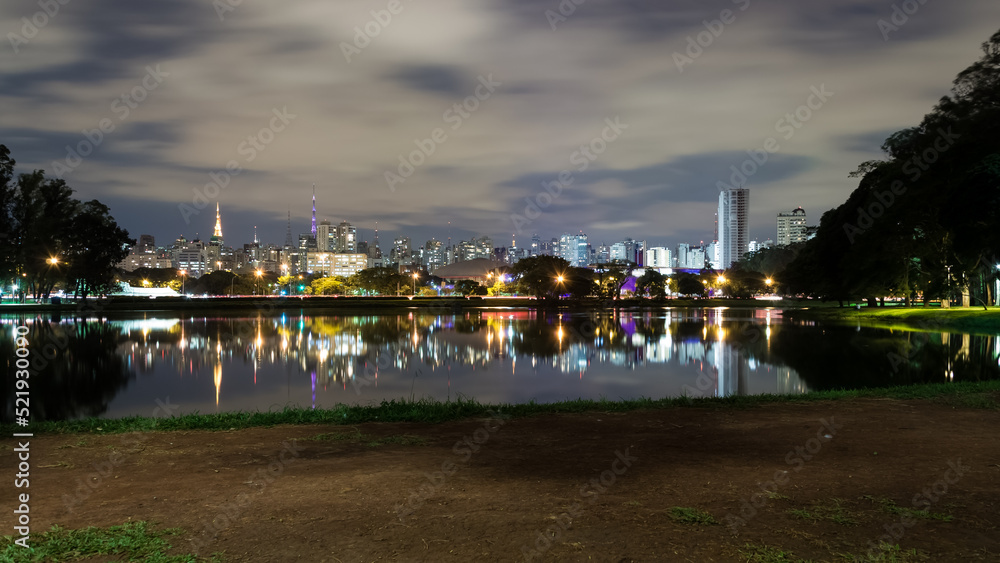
point(971, 319)
point(984, 394)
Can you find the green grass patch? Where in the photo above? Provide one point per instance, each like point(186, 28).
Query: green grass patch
point(890, 507)
point(694, 516)
point(428, 411)
point(887, 553)
point(753, 553)
point(357, 437)
point(832, 511)
point(132, 541)
point(931, 319)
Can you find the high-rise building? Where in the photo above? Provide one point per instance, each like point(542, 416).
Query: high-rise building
point(347, 238)
point(434, 255)
point(657, 257)
point(732, 225)
point(792, 227)
point(574, 249)
point(325, 238)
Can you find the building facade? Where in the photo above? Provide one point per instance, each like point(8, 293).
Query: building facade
point(792, 227)
point(734, 237)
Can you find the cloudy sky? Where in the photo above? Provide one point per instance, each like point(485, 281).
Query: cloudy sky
point(498, 98)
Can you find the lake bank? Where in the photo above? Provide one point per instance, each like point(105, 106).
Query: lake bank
point(931, 319)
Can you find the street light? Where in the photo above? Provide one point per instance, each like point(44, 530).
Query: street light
point(256, 286)
point(183, 279)
point(415, 276)
point(559, 280)
point(53, 261)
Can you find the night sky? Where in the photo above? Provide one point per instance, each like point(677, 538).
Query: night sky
point(181, 87)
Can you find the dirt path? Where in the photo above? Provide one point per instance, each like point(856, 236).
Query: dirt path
point(591, 487)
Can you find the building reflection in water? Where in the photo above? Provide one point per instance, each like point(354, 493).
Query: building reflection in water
point(614, 354)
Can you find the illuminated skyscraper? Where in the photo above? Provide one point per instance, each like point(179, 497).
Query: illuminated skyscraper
point(732, 224)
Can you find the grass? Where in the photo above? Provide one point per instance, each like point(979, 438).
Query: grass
point(832, 511)
point(358, 438)
point(132, 541)
point(753, 553)
point(890, 507)
point(933, 319)
point(979, 394)
point(692, 516)
point(887, 553)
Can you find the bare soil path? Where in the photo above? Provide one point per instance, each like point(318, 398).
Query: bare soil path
point(821, 481)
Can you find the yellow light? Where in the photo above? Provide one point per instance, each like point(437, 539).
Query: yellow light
point(721, 279)
point(769, 281)
point(53, 261)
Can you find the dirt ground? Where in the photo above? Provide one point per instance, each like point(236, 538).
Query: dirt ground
point(589, 487)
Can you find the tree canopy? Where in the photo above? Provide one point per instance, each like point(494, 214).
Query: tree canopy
point(48, 237)
point(924, 219)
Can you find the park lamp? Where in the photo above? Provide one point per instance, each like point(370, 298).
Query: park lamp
point(721, 279)
point(769, 281)
point(53, 261)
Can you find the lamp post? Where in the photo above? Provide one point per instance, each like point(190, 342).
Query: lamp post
point(769, 282)
point(232, 282)
point(559, 280)
point(256, 287)
point(183, 279)
point(415, 276)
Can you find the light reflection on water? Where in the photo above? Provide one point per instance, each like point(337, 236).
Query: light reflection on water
point(118, 368)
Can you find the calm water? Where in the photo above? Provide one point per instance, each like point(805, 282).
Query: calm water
point(115, 368)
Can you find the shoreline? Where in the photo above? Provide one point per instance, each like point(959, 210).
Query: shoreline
point(975, 394)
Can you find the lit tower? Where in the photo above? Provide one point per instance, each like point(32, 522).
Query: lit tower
point(314, 212)
point(217, 234)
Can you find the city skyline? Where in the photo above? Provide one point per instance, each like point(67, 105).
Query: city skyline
point(619, 120)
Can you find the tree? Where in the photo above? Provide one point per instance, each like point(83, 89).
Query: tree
point(469, 287)
point(48, 237)
point(380, 280)
point(540, 276)
point(687, 284)
point(923, 220)
point(652, 283)
point(334, 285)
point(96, 244)
point(614, 275)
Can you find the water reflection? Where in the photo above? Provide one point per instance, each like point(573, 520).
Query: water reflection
point(102, 367)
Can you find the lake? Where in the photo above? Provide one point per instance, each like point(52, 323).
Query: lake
point(117, 367)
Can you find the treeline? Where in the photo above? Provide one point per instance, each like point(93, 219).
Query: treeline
point(925, 220)
point(49, 237)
